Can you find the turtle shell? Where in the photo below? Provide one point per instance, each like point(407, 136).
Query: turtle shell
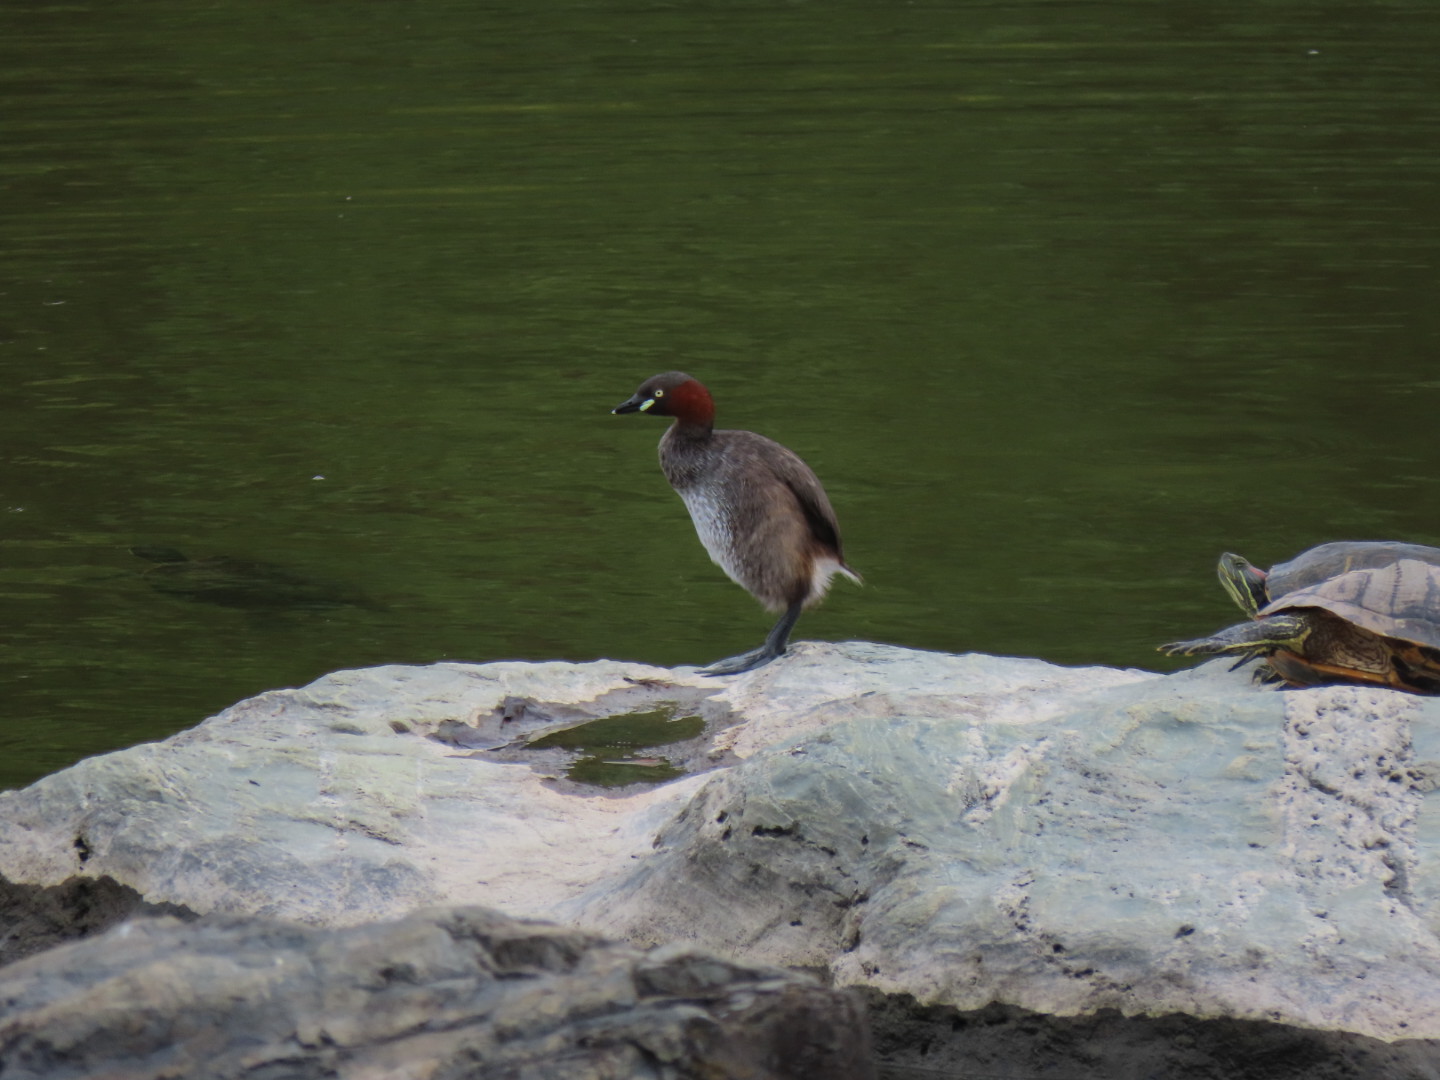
point(1400, 600)
point(1320, 564)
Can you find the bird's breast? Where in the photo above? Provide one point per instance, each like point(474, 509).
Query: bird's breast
point(715, 526)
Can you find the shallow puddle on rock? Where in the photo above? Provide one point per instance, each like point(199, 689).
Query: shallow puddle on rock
point(611, 747)
point(617, 772)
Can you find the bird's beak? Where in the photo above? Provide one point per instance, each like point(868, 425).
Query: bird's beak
point(634, 403)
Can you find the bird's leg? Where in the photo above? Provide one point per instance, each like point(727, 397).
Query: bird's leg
point(774, 646)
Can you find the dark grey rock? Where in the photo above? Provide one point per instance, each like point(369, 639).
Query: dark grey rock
point(447, 993)
point(38, 917)
point(1002, 1042)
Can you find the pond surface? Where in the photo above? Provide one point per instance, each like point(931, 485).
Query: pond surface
point(1060, 300)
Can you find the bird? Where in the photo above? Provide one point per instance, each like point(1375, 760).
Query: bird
point(759, 510)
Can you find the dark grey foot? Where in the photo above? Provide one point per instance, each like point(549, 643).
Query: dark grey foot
point(749, 661)
point(774, 646)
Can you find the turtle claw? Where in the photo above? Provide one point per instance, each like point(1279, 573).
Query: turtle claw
point(1198, 647)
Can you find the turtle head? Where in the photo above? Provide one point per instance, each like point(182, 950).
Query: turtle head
point(1245, 583)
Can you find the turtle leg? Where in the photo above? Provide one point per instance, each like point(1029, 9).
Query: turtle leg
point(1247, 640)
point(774, 646)
point(1343, 674)
point(1414, 672)
point(1214, 646)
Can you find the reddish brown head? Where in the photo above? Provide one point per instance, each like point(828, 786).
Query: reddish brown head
point(673, 394)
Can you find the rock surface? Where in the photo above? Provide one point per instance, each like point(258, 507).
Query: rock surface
point(963, 829)
point(1183, 844)
point(1002, 1042)
point(34, 918)
point(460, 992)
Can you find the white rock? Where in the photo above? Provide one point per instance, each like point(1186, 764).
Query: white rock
point(965, 829)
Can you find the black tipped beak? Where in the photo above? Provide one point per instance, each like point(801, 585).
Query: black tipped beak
point(630, 404)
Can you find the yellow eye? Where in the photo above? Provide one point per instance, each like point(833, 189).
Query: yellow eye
point(659, 393)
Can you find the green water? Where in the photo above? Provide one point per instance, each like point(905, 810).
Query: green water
point(612, 751)
point(1059, 299)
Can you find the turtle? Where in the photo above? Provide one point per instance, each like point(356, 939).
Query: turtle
point(1344, 612)
point(1252, 588)
point(238, 583)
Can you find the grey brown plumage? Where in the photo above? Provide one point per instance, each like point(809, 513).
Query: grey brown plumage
point(759, 510)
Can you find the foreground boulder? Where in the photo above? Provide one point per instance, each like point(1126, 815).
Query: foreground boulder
point(461, 992)
point(965, 830)
point(1184, 844)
